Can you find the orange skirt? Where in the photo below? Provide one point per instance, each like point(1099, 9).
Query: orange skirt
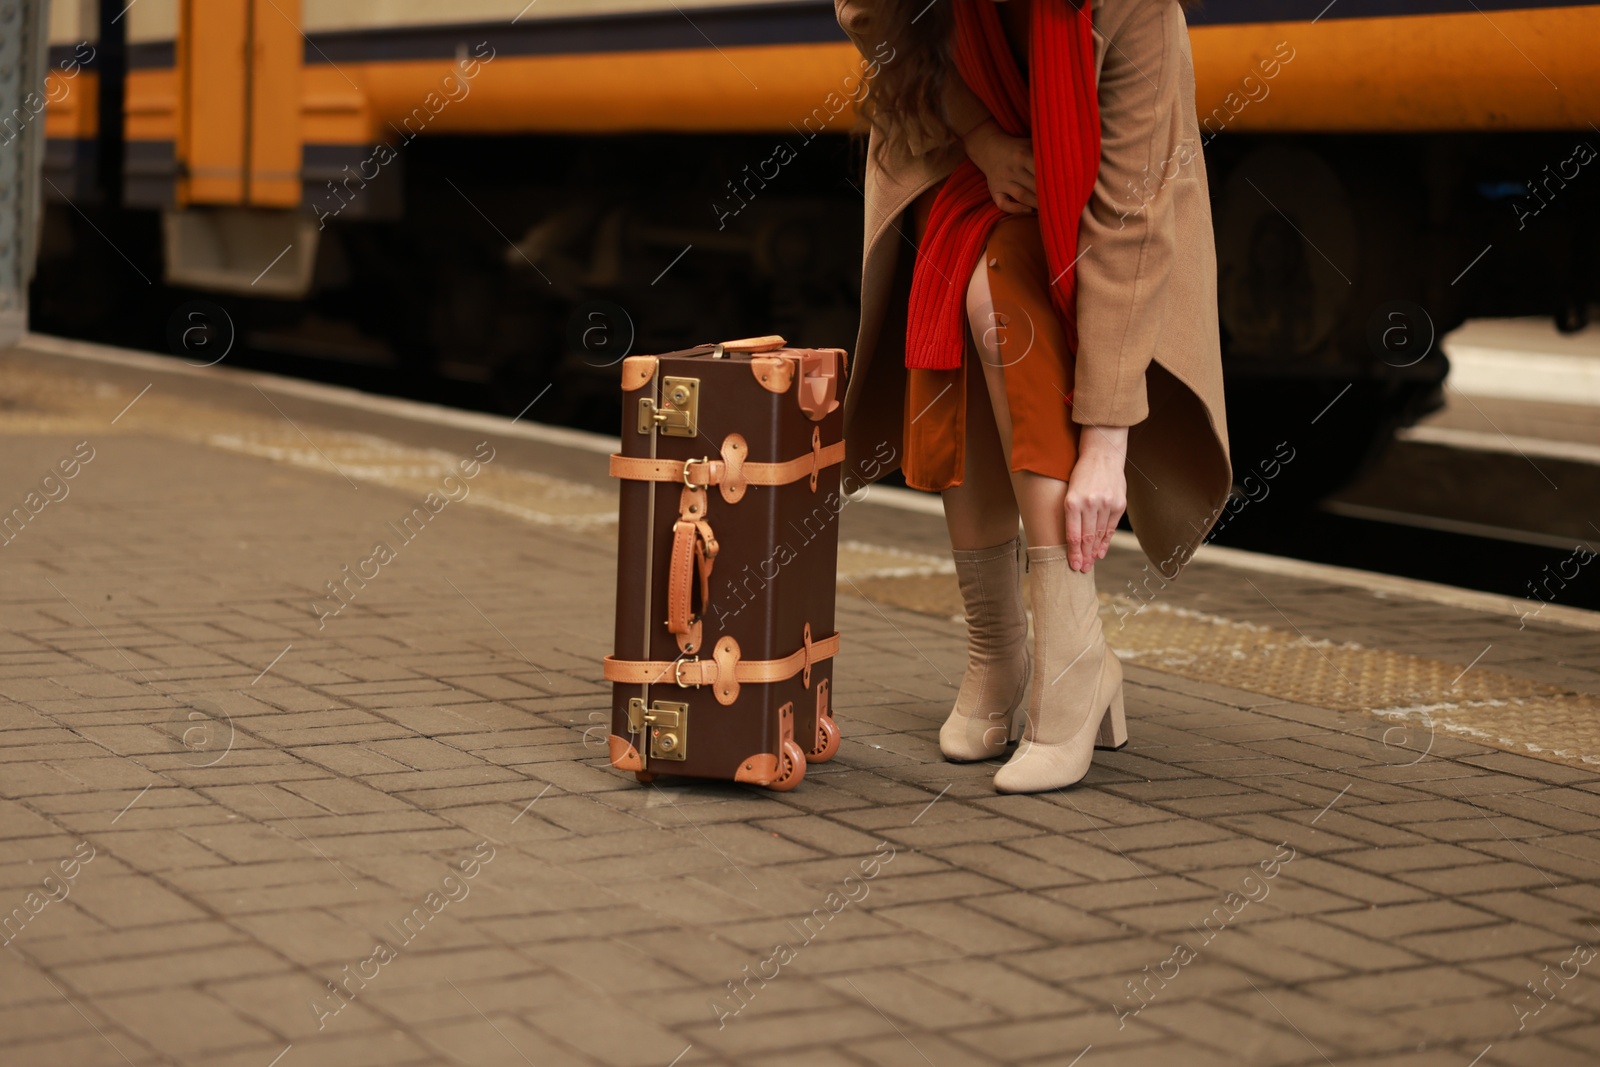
point(1033, 355)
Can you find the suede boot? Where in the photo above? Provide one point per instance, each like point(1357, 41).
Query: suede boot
point(1076, 703)
point(982, 722)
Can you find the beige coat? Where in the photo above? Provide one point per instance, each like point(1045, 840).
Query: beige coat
point(1149, 353)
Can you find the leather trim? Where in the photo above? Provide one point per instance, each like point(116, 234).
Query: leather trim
point(689, 641)
point(690, 672)
point(623, 755)
point(637, 372)
point(712, 471)
point(733, 481)
point(821, 371)
point(764, 768)
point(759, 769)
point(774, 373)
point(726, 657)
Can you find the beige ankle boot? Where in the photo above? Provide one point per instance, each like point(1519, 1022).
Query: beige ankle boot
point(982, 722)
point(1077, 694)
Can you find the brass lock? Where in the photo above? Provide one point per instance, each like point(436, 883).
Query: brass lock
point(668, 726)
point(678, 414)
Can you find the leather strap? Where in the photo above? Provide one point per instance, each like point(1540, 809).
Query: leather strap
point(694, 550)
point(690, 671)
point(703, 472)
point(732, 481)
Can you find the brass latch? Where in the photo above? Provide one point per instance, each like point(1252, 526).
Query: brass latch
point(678, 414)
point(668, 723)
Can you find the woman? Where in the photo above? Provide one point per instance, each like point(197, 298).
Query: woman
point(1039, 331)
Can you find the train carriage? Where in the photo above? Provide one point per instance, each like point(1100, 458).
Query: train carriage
point(511, 192)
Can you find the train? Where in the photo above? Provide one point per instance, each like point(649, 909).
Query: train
point(512, 195)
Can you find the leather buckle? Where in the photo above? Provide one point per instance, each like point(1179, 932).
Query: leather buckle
point(689, 463)
point(677, 672)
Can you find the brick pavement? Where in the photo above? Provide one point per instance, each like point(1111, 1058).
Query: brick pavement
point(219, 809)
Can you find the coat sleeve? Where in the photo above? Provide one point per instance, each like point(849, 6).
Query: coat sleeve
point(861, 22)
point(1127, 237)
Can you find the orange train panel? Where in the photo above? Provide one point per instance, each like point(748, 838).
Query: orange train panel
point(275, 104)
point(1418, 72)
point(239, 102)
point(1528, 69)
point(213, 65)
point(151, 105)
point(751, 89)
point(73, 111)
point(1532, 69)
point(333, 111)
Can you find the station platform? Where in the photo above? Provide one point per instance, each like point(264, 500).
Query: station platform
point(1514, 445)
point(1356, 821)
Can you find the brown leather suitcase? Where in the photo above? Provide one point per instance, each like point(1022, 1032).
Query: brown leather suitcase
point(727, 555)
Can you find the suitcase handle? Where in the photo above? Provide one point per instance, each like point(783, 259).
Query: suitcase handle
point(694, 550)
point(769, 343)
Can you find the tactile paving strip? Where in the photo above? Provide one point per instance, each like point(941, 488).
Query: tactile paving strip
point(1501, 709)
point(1497, 709)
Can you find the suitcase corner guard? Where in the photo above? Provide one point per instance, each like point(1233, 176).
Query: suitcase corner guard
point(623, 755)
point(780, 771)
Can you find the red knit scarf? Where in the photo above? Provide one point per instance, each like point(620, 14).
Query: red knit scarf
point(1058, 106)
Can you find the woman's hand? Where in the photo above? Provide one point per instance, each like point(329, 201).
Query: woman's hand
point(1008, 164)
point(1097, 494)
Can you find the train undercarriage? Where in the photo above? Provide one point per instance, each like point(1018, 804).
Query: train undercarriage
point(481, 270)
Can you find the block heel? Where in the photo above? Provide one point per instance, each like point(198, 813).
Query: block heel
point(1113, 731)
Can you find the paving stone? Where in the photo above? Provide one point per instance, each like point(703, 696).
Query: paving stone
point(1008, 991)
point(1538, 1049)
point(1396, 920)
point(1325, 941)
point(903, 1052)
point(1061, 1039)
point(1503, 939)
point(1476, 879)
point(188, 967)
point(105, 1049)
point(182, 1023)
point(1083, 859)
point(1222, 1030)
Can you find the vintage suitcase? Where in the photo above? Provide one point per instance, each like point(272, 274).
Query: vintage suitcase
point(727, 556)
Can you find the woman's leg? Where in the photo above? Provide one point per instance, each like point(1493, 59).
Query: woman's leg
point(981, 512)
point(1076, 701)
point(1041, 500)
